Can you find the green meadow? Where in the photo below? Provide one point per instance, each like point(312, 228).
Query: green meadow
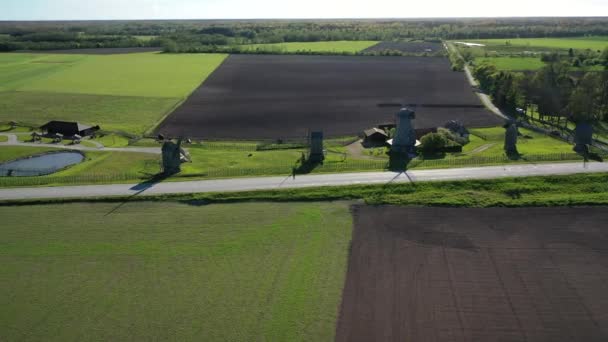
point(578, 43)
point(171, 271)
point(513, 63)
point(129, 92)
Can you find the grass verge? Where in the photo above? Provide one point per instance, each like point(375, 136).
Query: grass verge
point(579, 189)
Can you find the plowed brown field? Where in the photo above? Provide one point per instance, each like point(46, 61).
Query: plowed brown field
point(433, 274)
point(271, 97)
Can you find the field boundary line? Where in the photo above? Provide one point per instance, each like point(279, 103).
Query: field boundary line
point(164, 118)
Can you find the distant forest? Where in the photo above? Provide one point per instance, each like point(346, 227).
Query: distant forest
point(188, 35)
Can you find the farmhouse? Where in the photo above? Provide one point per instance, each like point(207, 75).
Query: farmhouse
point(68, 129)
point(420, 132)
point(374, 135)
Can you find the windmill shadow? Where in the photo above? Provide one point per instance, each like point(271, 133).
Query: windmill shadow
point(140, 188)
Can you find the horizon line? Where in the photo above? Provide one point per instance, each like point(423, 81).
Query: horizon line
point(307, 18)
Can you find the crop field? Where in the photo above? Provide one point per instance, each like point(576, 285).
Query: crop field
point(408, 47)
point(171, 271)
point(497, 274)
point(270, 97)
point(132, 114)
point(332, 46)
point(129, 92)
point(99, 51)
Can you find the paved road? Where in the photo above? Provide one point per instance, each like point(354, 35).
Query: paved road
point(484, 98)
point(265, 183)
point(14, 141)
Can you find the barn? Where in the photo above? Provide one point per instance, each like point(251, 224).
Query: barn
point(374, 136)
point(68, 129)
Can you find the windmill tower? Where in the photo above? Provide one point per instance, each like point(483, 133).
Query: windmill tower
point(405, 135)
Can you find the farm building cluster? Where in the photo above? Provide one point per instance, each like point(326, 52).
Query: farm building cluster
point(402, 136)
point(59, 130)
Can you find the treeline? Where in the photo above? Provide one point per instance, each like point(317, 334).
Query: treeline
point(57, 40)
point(577, 58)
point(554, 91)
point(170, 46)
point(194, 34)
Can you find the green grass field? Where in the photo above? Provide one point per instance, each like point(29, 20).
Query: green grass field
point(3, 138)
point(142, 74)
point(170, 271)
point(115, 163)
point(580, 43)
point(97, 167)
point(528, 50)
point(204, 159)
point(145, 38)
point(124, 113)
point(130, 92)
point(485, 148)
point(113, 140)
point(529, 143)
point(513, 63)
point(581, 189)
point(333, 46)
point(489, 142)
point(524, 63)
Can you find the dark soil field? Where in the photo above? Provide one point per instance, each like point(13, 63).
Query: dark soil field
point(498, 274)
point(271, 97)
point(100, 51)
point(411, 47)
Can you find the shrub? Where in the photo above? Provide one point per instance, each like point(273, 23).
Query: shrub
point(453, 136)
point(433, 143)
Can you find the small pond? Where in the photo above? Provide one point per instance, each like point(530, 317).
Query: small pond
point(40, 165)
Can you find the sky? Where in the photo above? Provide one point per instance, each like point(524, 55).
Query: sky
point(252, 9)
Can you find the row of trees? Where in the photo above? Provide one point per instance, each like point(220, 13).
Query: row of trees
point(554, 90)
point(194, 33)
point(68, 40)
point(172, 46)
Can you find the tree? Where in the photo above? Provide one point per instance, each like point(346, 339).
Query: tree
point(169, 45)
point(467, 55)
point(603, 96)
point(504, 86)
point(484, 73)
point(604, 58)
point(551, 89)
point(584, 102)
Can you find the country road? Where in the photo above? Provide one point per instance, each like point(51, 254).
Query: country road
point(268, 183)
point(14, 141)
